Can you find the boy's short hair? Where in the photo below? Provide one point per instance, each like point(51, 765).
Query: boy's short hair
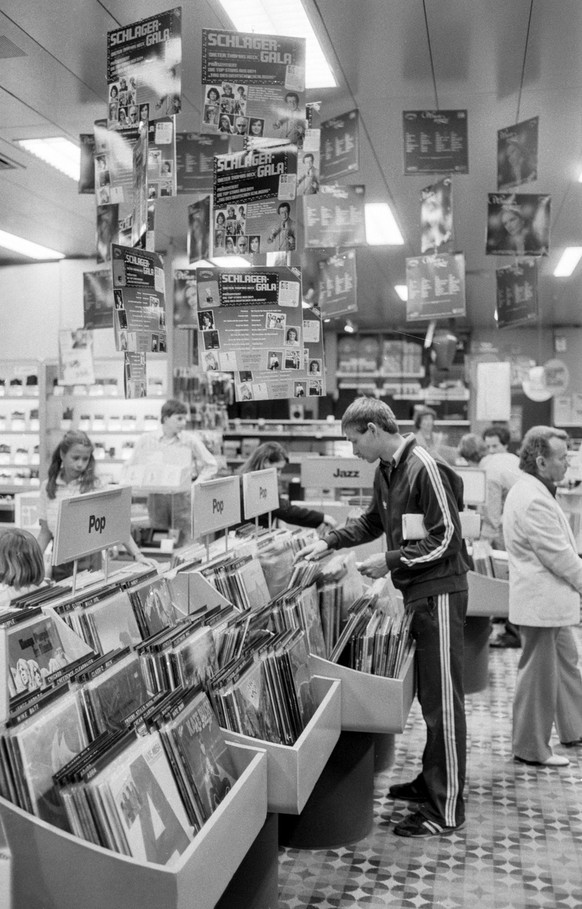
point(171, 407)
point(366, 410)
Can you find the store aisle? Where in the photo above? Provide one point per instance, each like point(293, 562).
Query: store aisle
point(521, 847)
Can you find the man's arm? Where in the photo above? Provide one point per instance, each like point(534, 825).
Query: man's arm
point(545, 534)
point(206, 463)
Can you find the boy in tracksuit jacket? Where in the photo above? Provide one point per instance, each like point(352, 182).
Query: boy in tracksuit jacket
point(431, 573)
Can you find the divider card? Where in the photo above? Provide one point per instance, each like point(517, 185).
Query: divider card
point(139, 314)
point(251, 323)
point(215, 506)
point(254, 204)
point(91, 522)
point(260, 490)
point(253, 85)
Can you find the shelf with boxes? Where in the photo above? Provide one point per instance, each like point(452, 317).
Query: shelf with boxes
point(22, 430)
point(299, 438)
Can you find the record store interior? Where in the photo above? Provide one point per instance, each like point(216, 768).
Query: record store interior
point(290, 454)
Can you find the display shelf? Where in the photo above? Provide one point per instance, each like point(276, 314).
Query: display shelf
point(52, 868)
point(487, 596)
point(371, 703)
point(22, 429)
point(293, 770)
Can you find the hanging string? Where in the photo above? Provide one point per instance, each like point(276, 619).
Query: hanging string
point(436, 97)
point(524, 59)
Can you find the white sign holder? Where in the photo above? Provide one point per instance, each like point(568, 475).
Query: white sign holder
point(260, 492)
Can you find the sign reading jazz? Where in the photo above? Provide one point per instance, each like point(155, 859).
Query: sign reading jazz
point(253, 84)
point(517, 293)
point(143, 69)
point(251, 323)
point(435, 142)
point(254, 203)
point(139, 315)
point(436, 286)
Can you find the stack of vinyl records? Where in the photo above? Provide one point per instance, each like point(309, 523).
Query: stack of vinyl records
point(153, 606)
point(183, 655)
point(105, 620)
point(240, 579)
point(111, 689)
point(373, 640)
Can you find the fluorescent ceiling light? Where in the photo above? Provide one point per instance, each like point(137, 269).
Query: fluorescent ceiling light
point(26, 248)
point(402, 291)
point(568, 261)
point(381, 226)
point(58, 152)
point(284, 18)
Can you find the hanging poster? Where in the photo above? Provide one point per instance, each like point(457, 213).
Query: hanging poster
point(251, 323)
point(436, 217)
point(87, 173)
point(139, 315)
point(107, 231)
point(199, 229)
point(335, 216)
point(254, 204)
point(185, 292)
point(436, 286)
point(517, 293)
point(518, 225)
point(76, 357)
point(253, 85)
point(195, 161)
point(337, 285)
point(143, 69)
point(517, 154)
point(139, 219)
point(435, 141)
point(340, 146)
point(114, 165)
point(308, 179)
point(162, 158)
point(135, 381)
point(97, 299)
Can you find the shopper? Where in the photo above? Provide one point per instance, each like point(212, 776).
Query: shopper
point(21, 565)
point(271, 454)
point(71, 472)
point(173, 510)
point(545, 584)
point(432, 574)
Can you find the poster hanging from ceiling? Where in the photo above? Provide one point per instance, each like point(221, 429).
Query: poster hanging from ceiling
point(517, 154)
point(139, 315)
point(135, 382)
point(518, 224)
point(253, 85)
point(185, 299)
point(251, 323)
point(435, 142)
point(76, 357)
point(144, 69)
point(335, 217)
point(114, 166)
point(195, 161)
point(254, 204)
point(517, 293)
point(199, 229)
point(436, 217)
point(87, 173)
point(162, 158)
point(98, 299)
point(436, 287)
point(338, 285)
point(340, 146)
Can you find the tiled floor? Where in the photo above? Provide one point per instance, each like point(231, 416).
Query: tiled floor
point(521, 846)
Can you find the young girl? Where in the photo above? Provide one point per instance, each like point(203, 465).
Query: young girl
point(21, 565)
point(71, 473)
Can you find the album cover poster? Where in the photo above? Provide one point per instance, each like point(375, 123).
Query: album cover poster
point(251, 322)
point(144, 69)
point(436, 217)
point(254, 204)
point(195, 161)
point(87, 175)
point(135, 376)
point(254, 85)
point(517, 154)
point(162, 179)
point(76, 357)
point(308, 171)
point(517, 293)
point(185, 299)
point(114, 166)
point(340, 146)
point(518, 224)
point(139, 220)
point(338, 285)
point(199, 229)
point(98, 299)
point(139, 315)
point(435, 141)
point(436, 286)
point(335, 216)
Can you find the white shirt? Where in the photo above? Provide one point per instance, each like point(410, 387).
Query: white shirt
point(204, 463)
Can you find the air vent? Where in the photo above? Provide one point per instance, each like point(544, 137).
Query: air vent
point(9, 49)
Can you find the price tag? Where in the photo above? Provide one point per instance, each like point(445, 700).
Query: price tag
point(260, 492)
point(215, 505)
point(91, 522)
point(332, 473)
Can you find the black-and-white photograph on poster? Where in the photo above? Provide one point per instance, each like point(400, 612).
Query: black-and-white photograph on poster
point(436, 287)
point(517, 293)
point(338, 285)
point(144, 61)
point(340, 146)
point(517, 154)
point(518, 224)
point(435, 142)
point(436, 217)
point(335, 216)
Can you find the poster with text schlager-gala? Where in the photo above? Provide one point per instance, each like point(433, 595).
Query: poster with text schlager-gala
point(139, 311)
